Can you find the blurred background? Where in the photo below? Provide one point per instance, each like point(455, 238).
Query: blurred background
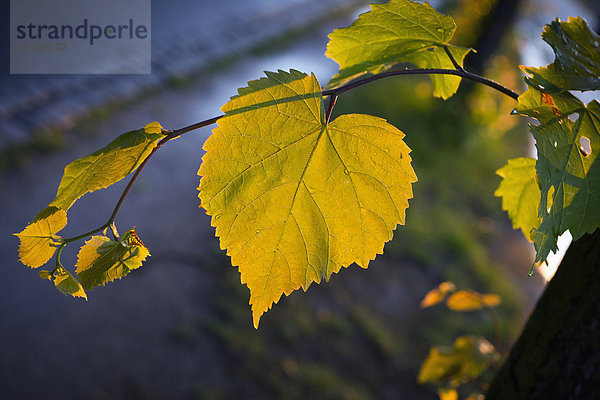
point(180, 326)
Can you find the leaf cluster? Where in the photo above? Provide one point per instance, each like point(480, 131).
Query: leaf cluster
point(100, 260)
point(470, 356)
point(296, 195)
point(560, 191)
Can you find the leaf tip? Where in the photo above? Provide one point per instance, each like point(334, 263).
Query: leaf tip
point(256, 318)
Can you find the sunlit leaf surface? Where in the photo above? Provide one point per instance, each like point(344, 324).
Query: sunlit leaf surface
point(520, 194)
point(400, 31)
point(294, 199)
point(39, 239)
point(102, 260)
point(107, 165)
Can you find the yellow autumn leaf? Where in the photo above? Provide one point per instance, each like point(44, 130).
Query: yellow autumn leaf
point(466, 359)
point(438, 294)
point(295, 199)
point(470, 300)
point(39, 239)
point(491, 300)
point(520, 194)
point(115, 161)
point(448, 394)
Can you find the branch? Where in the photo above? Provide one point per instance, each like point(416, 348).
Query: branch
point(333, 94)
point(170, 136)
point(451, 57)
point(424, 71)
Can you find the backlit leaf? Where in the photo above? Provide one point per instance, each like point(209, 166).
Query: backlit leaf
point(577, 63)
point(107, 165)
point(520, 194)
point(470, 300)
point(467, 359)
point(39, 239)
point(102, 260)
point(569, 175)
point(438, 294)
point(294, 199)
point(400, 31)
point(68, 284)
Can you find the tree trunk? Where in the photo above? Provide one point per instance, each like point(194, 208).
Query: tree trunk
point(557, 355)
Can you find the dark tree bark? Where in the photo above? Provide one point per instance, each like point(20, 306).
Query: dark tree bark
point(557, 355)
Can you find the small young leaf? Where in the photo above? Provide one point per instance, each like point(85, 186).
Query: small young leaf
point(102, 260)
point(68, 284)
point(115, 161)
point(39, 239)
point(520, 194)
point(470, 300)
point(467, 359)
point(438, 294)
point(400, 31)
point(577, 63)
point(45, 275)
point(491, 300)
point(294, 199)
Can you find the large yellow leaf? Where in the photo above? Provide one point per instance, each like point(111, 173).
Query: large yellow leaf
point(39, 239)
point(294, 199)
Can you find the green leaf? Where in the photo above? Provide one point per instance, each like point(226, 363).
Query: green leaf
point(67, 283)
point(569, 177)
point(294, 199)
point(520, 194)
point(400, 31)
point(107, 165)
point(467, 359)
point(102, 260)
point(547, 108)
point(577, 63)
point(38, 240)
point(568, 174)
